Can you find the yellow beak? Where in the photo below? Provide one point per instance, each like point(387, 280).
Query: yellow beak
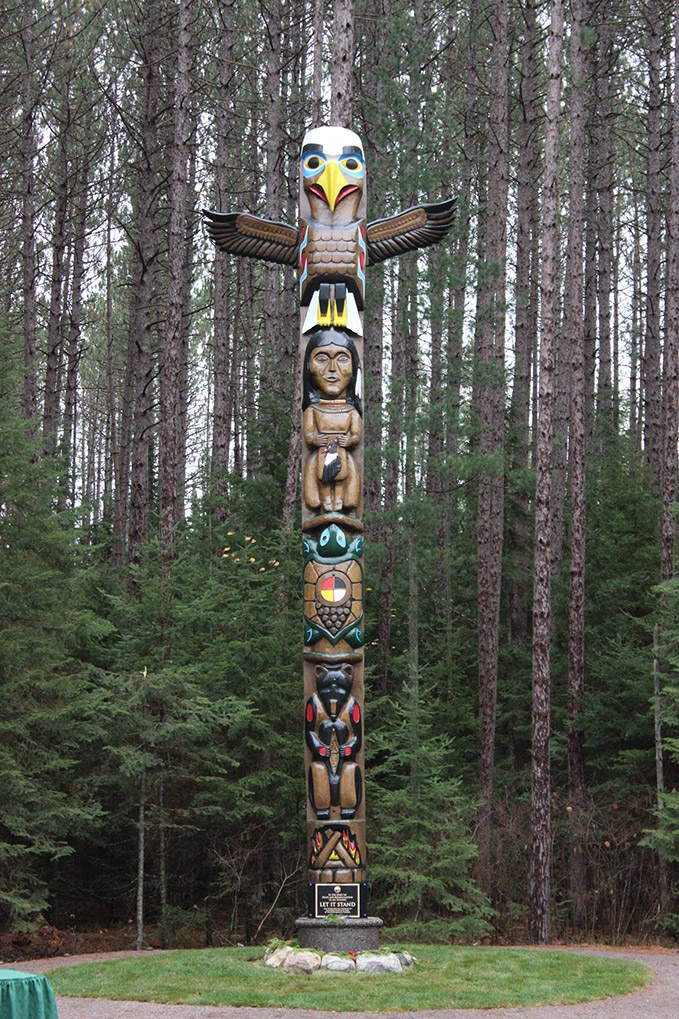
point(332, 181)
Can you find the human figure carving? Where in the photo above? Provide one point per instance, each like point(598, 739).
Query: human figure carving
point(331, 424)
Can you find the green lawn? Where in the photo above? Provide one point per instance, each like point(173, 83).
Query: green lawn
point(444, 977)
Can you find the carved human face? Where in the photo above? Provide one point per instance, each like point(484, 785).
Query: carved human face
point(331, 370)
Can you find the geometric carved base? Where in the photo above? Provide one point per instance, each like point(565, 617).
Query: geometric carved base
point(339, 935)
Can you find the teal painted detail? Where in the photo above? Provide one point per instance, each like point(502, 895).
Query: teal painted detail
point(332, 546)
point(353, 634)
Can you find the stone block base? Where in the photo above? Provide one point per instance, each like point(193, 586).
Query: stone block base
point(339, 936)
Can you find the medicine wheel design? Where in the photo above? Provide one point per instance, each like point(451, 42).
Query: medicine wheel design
point(332, 589)
point(333, 594)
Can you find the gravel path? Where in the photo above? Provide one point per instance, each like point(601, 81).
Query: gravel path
point(660, 1000)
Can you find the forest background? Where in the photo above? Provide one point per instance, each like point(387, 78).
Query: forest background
point(521, 402)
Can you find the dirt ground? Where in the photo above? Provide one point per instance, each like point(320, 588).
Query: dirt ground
point(660, 1000)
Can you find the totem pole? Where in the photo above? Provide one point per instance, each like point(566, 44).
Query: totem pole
point(332, 248)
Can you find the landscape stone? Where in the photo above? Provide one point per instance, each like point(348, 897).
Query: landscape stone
point(336, 963)
point(277, 957)
point(405, 958)
point(302, 962)
point(367, 963)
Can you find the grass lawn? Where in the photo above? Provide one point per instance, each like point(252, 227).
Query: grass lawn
point(444, 977)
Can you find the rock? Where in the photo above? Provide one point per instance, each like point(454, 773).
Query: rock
point(277, 957)
point(336, 963)
point(367, 963)
point(301, 962)
point(405, 958)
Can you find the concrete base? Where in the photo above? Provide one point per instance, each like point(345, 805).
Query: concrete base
point(339, 936)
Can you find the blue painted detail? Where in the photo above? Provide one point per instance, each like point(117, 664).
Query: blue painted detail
point(318, 161)
point(333, 545)
point(354, 171)
point(362, 245)
point(306, 267)
point(353, 634)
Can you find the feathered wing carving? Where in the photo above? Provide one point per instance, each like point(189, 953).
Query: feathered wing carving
point(415, 228)
point(239, 233)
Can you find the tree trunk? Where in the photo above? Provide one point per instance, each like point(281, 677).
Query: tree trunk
point(635, 339)
point(574, 338)
point(223, 313)
point(671, 352)
point(121, 460)
point(68, 442)
point(391, 473)
point(373, 88)
point(144, 297)
point(111, 409)
point(460, 264)
point(412, 368)
point(651, 357)
point(490, 368)
point(273, 317)
point(604, 410)
point(55, 319)
point(540, 869)
point(249, 418)
point(317, 74)
point(162, 867)
point(30, 390)
point(185, 339)
point(291, 384)
point(615, 281)
point(670, 437)
point(665, 899)
point(342, 64)
point(141, 860)
point(525, 322)
point(171, 347)
point(590, 270)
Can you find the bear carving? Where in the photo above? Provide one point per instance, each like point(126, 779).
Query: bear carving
point(333, 729)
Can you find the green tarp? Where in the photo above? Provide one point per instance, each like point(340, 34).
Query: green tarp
point(25, 996)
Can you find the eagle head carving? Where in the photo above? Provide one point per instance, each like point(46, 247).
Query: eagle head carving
point(333, 176)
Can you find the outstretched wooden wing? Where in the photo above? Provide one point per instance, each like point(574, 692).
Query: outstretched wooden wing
point(239, 233)
point(415, 228)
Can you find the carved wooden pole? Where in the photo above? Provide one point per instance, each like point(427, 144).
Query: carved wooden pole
point(333, 259)
point(332, 249)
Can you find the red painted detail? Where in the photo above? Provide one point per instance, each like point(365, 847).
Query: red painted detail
point(323, 752)
point(304, 259)
point(348, 189)
point(309, 713)
point(356, 714)
point(333, 588)
point(363, 229)
point(347, 751)
point(362, 260)
point(320, 192)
